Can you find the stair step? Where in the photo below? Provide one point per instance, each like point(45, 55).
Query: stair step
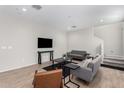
point(115, 66)
point(114, 61)
point(115, 58)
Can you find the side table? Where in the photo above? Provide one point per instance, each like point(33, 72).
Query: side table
point(73, 67)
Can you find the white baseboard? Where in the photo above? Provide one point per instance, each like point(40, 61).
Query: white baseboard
point(4, 70)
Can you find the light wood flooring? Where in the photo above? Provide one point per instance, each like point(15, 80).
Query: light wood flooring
point(23, 77)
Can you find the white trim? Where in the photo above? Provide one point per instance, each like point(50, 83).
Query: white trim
point(9, 69)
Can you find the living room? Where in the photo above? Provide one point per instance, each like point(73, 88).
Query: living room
point(22, 53)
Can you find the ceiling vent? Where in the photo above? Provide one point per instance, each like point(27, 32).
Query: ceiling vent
point(37, 7)
point(74, 26)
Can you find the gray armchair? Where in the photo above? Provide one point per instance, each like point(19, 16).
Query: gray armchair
point(88, 69)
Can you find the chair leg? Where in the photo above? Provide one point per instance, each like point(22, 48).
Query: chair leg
point(72, 76)
point(61, 86)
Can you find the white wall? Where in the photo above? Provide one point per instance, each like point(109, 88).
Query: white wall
point(84, 40)
point(18, 42)
point(123, 37)
point(107, 39)
point(112, 36)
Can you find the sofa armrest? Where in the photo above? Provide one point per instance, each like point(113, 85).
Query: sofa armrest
point(89, 70)
point(90, 65)
point(83, 73)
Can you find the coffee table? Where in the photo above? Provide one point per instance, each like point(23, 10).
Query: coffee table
point(62, 61)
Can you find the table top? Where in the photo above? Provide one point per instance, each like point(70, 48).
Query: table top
point(45, 51)
point(71, 66)
point(59, 60)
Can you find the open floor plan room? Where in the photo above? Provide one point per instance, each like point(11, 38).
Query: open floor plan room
point(61, 46)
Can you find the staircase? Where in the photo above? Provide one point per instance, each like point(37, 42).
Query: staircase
point(114, 62)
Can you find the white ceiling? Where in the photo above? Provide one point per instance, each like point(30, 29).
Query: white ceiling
point(63, 17)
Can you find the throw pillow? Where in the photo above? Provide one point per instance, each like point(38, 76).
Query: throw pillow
point(90, 65)
point(86, 62)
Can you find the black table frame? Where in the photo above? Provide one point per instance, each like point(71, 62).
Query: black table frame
point(65, 83)
point(61, 62)
point(40, 56)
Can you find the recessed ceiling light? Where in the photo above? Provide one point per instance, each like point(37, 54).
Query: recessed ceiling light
point(101, 20)
point(24, 9)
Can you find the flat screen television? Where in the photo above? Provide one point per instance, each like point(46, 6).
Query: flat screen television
point(45, 43)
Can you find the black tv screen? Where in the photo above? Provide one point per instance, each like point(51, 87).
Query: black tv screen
point(44, 43)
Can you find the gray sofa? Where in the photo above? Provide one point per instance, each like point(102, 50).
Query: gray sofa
point(76, 54)
point(88, 69)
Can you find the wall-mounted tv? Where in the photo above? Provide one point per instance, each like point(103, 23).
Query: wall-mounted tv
point(45, 43)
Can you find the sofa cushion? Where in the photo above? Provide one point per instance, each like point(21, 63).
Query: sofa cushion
point(91, 64)
point(86, 62)
point(95, 59)
point(78, 52)
point(76, 55)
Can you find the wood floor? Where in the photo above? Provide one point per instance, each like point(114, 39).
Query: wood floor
point(22, 78)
